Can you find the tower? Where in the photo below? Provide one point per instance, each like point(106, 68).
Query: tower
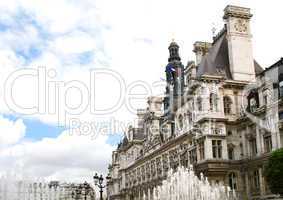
point(174, 77)
point(239, 43)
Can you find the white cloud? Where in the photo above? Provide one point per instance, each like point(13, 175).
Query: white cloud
point(67, 157)
point(11, 131)
point(77, 42)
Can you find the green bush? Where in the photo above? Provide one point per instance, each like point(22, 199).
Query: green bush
point(274, 172)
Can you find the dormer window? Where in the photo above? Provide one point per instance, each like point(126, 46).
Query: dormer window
point(253, 101)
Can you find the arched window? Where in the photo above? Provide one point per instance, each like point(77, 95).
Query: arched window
point(227, 105)
point(199, 103)
point(233, 181)
point(213, 102)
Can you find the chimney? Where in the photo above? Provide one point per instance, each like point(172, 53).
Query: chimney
point(201, 49)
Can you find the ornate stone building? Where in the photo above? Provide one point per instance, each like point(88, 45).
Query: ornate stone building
point(221, 113)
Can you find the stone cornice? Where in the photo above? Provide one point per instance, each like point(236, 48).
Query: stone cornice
point(236, 11)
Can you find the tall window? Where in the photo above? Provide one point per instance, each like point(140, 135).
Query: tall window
point(201, 150)
point(213, 102)
point(253, 147)
point(227, 105)
point(193, 156)
point(256, 182)
point(217, 149)
point(199, 103)
point(233, 181)
point(267, 143)
point(231, 153)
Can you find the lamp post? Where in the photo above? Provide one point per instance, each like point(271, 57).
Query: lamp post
point(98, 181)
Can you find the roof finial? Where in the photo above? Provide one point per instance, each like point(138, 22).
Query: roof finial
point(172, 35)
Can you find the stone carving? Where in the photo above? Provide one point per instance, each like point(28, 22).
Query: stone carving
point(241, 26)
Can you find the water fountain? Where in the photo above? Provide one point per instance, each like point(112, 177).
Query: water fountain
point(12, 188)
point(185, 185)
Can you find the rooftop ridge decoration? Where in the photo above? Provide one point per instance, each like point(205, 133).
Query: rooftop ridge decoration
point(219, 34)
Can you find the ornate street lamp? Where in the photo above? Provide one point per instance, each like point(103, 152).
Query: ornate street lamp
point(98, 181)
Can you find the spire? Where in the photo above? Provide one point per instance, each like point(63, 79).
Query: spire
point(173, 51)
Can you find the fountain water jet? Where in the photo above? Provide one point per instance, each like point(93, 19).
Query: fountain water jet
point(185, 185)
point(13, 188)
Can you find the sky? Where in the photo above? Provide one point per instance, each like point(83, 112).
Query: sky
point(66, 64)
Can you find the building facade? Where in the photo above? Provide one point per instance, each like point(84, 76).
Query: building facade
point(221, 113)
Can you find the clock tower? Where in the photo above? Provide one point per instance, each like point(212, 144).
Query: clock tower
point(239, 43)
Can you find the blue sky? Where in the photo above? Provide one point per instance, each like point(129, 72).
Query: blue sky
point(36, 130)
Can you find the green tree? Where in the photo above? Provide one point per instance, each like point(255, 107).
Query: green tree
point(274, 172)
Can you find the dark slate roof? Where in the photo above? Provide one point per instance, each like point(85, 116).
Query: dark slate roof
point(137, 135)
point(277, 64)
point(123, 143)
point(216, 61)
